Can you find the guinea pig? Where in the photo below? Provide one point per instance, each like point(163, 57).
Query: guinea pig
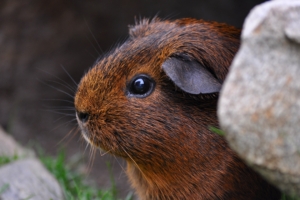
point(152, 100)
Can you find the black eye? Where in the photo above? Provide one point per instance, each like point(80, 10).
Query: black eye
point(141, 86)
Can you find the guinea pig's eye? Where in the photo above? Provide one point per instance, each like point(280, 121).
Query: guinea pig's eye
point(141, 86)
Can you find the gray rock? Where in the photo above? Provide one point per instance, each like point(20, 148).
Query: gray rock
point(259, 106)
point(10, 148)
point(25, 178)
point(28, 179)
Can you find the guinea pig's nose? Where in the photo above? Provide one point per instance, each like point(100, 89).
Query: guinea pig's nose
point(83, 116)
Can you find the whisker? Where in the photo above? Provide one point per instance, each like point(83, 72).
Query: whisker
point(62, 100)
point(134, 163)
point(62, 108)
point(68, 134)
point(60, 113)
point(69, 75)
point(63, 84)
point(91, 159)
point(60, 118)
point(66, 84)
point(94, 39)
point(90, 53)
point(64, 92)
point(123, 170)
point(86, 142)
point(86, 146)
point(63, 124)
point(58, 107)
point(106, 152)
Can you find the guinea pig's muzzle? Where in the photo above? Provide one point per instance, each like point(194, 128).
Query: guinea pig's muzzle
point(82, 119)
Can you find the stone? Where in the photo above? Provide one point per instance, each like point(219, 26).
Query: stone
point(28, 179)
point(24, 177)
point(259, 107)
point(10, 148)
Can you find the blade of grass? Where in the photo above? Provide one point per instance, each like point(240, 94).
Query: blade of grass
point(216, 130)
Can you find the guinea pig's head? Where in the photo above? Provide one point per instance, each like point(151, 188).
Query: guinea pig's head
point(157, 91)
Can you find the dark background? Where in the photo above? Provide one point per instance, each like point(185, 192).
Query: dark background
point(38, 37)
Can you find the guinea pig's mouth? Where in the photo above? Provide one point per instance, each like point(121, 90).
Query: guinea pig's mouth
point(82, 125)
point(87, 137)
point(85, 134)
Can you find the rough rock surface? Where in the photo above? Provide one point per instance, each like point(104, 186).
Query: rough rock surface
point(28, 179)
point(259, 107)
point(9, 147)
point(25, 178)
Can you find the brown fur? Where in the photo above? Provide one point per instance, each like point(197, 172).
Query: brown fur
point(170, 152)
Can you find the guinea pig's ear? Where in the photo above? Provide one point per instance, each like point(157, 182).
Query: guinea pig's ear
point(191, 76)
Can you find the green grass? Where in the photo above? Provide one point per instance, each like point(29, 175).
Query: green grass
point(287, 197)
point(216, 130)
point(73, 184)
point(6, 159)
point(3, 188)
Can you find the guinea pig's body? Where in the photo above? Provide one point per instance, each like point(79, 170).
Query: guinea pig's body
point(152, 100)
